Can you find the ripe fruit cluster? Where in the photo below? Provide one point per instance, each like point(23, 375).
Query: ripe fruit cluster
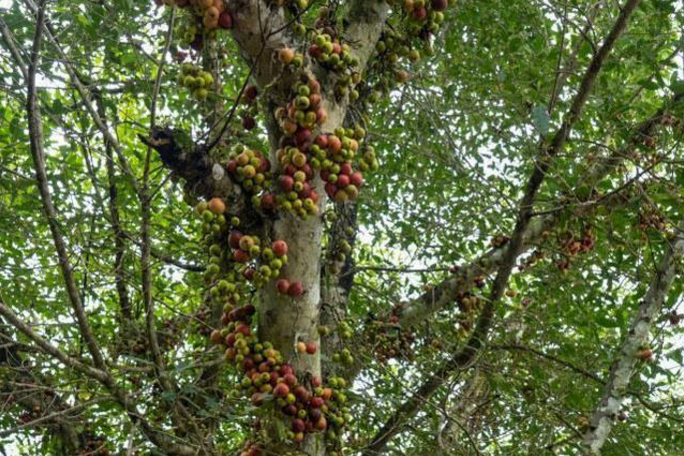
point(237, 261)
point(298, 121)
point(269, 381)
point(251, 170)
point(407, 40)
point(297, 193)
point(331, 54)
point(196, 80)
point(335, 153)
point(304, 112)
point(248, 248)
point(211, 13)
point(469, 305)
point(292, 289)
point(303, 152)
point(391, 340)
point(337, 57)
point(423, 11)
point(204, 18)
point(571, 247)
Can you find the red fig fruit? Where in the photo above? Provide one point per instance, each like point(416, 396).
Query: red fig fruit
point(225, 20)
point(439, 5)
point(296, 289)
point(280, 247)
point(281, 390)
point(282, 285)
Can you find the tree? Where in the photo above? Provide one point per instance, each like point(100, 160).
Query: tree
point(321, 227)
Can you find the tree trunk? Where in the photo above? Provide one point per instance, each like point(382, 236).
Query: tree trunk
point(284, 321)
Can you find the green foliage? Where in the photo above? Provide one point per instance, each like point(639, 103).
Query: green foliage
point(455, 144)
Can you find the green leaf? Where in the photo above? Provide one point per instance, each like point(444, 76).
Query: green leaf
point(540, 115)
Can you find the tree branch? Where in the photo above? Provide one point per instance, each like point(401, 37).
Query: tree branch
point(50, 349)
point(155, 436)
point(35, 126)
point(624, 366)
point(76, 80)
point(36, 395)
point(337, 280)
point(467, 355)
point(145, 203)
point(195, 166)
point(443, 294)
point(119, 244)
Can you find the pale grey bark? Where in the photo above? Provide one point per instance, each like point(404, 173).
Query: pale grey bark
point(284, 320)
point(263, 31)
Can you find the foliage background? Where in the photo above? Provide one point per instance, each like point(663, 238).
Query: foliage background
point(456, 145)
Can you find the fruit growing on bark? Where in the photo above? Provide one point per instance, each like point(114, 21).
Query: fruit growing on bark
point(644, 354)
point(296, 289)
point(280, 248)
point(216, 206)
point(283, 285)
point(286, 56)
point(281, 390)
point(225, 20)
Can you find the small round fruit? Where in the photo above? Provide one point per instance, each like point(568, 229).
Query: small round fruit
point(645, 355)
point(217, 206)
point(286, 56)
point(216, 337)
point(225, 20)
point(283, 285)
point(234, 239)
point(280, 248)
point(296, 289)
point(281, 390)
point(246, 243)
point(439, 5)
